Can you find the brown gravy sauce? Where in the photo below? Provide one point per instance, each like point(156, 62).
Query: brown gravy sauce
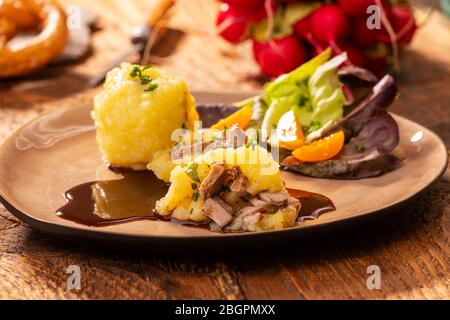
point(105, 203)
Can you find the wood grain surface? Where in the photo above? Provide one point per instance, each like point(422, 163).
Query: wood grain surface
point(410, 246)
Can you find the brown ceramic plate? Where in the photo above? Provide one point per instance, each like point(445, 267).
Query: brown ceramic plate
point(58, 151)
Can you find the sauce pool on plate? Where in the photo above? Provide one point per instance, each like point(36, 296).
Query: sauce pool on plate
point(103, 203)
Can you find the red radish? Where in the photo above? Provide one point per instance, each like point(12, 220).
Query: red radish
point(377, 58)
point(329, 25)
point(303, 30)
point(403, 23)
point(233, 23)
point(355, 56)
point(363, 36)
point(245, 4)
point(377, 65)
point(355, 8)
point(277, 57)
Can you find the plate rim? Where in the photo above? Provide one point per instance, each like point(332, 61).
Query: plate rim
point(55, 228)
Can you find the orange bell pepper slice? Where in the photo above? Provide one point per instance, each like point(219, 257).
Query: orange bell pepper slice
point(242, 118)
point(290, 132)
point(322, 149)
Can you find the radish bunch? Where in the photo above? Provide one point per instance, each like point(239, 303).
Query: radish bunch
point(340, 24)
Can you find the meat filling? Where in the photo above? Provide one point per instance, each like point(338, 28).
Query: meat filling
point(213, 182)
point(227, 202)
point(219, 211)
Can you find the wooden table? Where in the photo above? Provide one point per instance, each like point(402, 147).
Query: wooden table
point(411, 246)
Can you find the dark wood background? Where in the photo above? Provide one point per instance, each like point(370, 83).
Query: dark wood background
point(410, 246)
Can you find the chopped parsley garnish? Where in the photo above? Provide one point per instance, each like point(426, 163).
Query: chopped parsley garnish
point(192, 172)
point(194, 186)
point(151, 87)
point(360, 148)
point(145, 80)
point(313, 126)
point(137, 73)
point(302, 101)
point(196, 195)
point(350, 128)
point(251, 144)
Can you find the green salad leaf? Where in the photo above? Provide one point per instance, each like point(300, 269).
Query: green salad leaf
point(326, 95)
point(313, 91)
point(284, 21)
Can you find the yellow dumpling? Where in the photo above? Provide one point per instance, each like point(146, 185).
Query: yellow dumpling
point(137, 111)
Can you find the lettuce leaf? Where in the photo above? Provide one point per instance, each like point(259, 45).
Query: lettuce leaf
point(313, 91)
point(326, 96)
point(284, 21)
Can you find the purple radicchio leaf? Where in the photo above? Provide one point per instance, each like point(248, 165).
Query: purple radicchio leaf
point(380, 133)
point(369, 165)
point(213, 113)
point(372, 134)
point(357, 84)
point(352, 73)
point(366, 155)
point(382, 95)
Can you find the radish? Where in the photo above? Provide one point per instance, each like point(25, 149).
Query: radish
point(355, 56)
point(377, 65)
point(363, 36)
point(233, 23)
point(245, 4)
point(403, 23)
point(277, 57)
point(377, 58)
point(355, 8)
point(330, 26)
point(302, 29)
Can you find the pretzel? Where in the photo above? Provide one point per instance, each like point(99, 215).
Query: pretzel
point(29, 56)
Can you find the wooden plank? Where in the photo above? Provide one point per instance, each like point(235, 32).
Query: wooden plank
point(411, 247)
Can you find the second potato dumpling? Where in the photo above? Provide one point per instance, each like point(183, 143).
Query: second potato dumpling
point(237, 189)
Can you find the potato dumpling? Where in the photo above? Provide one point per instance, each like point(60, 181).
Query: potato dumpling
point(137, 111)
point(162, 165)
point(242, 175)
point(283, 218)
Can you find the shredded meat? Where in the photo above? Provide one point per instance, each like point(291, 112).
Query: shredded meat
point(219, 211)
point(212, 184)
point(246, 218)
point(277, 200)
point(251, 220)
point(295, 203)
point(274, 198)
point(191, 150)
point(239, 184)
point(264, 203)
